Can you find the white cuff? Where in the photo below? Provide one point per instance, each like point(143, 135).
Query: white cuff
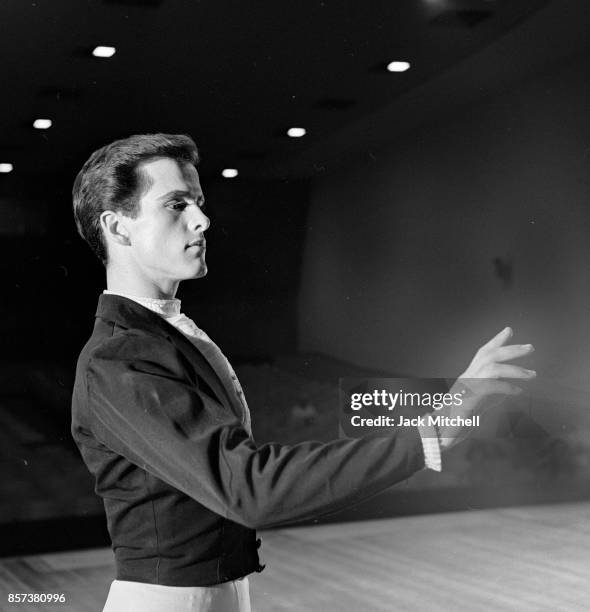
point(431, 447)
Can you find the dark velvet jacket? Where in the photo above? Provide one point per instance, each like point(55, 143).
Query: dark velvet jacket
point(184, 486)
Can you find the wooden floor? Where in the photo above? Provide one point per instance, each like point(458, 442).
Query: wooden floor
point(528, 558)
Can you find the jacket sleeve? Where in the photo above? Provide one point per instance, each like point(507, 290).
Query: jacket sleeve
point(145, 408)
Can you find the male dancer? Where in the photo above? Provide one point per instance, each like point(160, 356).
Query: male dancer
point(160, 418)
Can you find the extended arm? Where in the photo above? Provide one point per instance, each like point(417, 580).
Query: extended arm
point(149, 412)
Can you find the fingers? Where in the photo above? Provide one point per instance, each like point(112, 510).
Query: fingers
point(498, 339)
point(512, 351)
point(488, 361)
point(504, 370)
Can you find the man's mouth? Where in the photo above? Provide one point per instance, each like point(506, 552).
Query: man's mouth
point(201, 242)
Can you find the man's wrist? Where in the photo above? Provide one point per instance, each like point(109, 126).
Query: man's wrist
point(431, 447)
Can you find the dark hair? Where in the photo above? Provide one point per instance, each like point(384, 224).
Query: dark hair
point(111, 180)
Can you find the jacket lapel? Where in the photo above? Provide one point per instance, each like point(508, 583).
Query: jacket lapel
point(131, 315)
point(204, 368)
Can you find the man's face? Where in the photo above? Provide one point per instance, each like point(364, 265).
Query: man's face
point(167, 236)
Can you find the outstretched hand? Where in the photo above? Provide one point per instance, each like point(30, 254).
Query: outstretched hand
point(489, 359)
point(483, 375)
point(486, 376)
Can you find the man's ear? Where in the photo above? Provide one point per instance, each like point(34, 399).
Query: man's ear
point(114, 227)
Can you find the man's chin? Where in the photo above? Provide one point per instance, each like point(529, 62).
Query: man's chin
point(193, 271)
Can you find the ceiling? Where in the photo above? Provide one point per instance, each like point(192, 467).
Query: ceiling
point(236, 75)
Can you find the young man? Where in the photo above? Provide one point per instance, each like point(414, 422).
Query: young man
point(160, 418)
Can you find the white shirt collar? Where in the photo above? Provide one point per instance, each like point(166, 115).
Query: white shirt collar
point(166, 308)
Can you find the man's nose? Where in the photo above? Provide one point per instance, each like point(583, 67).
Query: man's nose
point(199, 220)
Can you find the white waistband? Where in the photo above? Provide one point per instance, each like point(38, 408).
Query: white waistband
point(125, 596)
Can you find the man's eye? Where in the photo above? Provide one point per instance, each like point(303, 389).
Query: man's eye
point(177, 204)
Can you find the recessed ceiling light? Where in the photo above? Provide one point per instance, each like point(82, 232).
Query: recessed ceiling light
point(6, 168)
point(42, 124)
point(229, 173)
point(101, 51)
point(296, 132)
point(398, 66)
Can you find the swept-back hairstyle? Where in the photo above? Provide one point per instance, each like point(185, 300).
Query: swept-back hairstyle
point(112, 180)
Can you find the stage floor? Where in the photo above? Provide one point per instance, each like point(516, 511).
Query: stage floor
point(525, 558)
